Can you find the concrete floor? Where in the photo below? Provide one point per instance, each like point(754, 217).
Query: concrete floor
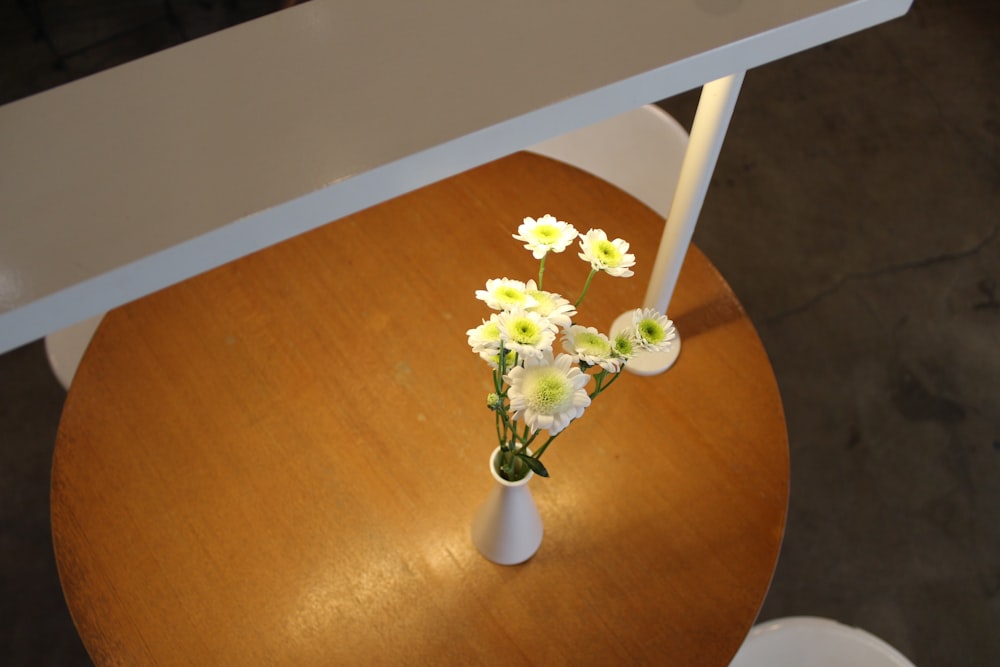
point(856, 212)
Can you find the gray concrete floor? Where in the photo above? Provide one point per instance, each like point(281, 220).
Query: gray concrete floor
point(856, 212)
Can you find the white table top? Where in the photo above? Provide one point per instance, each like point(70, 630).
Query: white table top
point(127, 181)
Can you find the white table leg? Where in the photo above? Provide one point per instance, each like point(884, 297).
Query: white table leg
point(715, 108)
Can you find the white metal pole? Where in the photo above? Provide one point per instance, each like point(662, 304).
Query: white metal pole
point(715, 109)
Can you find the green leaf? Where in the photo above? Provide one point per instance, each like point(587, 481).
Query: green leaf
point(533, 463)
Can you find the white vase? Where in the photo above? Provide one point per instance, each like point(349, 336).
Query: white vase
point(507, 529)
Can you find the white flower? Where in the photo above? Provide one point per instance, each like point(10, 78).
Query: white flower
point(624, 344)
point(604, 255)
point(526, 333)
point(548, 394)
point(545, 234)
point(588, 345)
point(486, 336)
point(504, 294)
point(652, 330)
point(553, 306)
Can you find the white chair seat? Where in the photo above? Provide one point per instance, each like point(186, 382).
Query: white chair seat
point(639, 151)
point(65, 348)
point(807, 641)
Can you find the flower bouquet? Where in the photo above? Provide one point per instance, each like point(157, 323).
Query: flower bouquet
point(535, 389)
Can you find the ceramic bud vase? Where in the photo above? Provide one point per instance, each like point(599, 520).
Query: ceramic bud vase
point(507, 529)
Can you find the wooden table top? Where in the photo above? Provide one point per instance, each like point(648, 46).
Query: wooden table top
point(277, 461)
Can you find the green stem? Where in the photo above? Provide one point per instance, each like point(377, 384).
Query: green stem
point(542, 449)
point(599, 381)
point(613, 379)
point(501, 363)
point(500, 435)
point(586, 286)
point(541, 270)
point(508, 426)
point(506, 455)
point(599, 387)
point(513, 435)
point(498, 385)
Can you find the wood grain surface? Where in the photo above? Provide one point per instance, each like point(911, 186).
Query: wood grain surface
point(277, 462)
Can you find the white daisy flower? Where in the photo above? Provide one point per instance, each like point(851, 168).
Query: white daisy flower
point(548, 394)
point(505, 294)
point(553, 306)
point(609, 256)
point(623, 345)
point(526, 333)
point(588, 345)
point(653, 331)
point(486, 336)
point(545, 234)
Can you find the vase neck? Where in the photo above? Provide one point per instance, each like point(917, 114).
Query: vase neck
point(494, 470)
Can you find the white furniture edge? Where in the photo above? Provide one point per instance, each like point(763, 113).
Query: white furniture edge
point(639, 151)
point(814, 640)
point(131, 259)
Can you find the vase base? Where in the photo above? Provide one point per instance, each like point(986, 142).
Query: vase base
point(504, 554)
point(647, 363)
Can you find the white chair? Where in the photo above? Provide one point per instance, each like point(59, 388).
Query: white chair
point(808, 641)
point(65, 348)
point(639, 151)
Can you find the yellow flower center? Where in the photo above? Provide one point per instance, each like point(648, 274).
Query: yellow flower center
point(608, 253)
point(524, 331)
point(546, 234)
point(623, 346)
point(651, 331)
point(549, 392)
point(510, 295)
point(590, 343)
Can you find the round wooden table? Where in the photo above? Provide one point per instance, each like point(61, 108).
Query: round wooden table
point(277, 462)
